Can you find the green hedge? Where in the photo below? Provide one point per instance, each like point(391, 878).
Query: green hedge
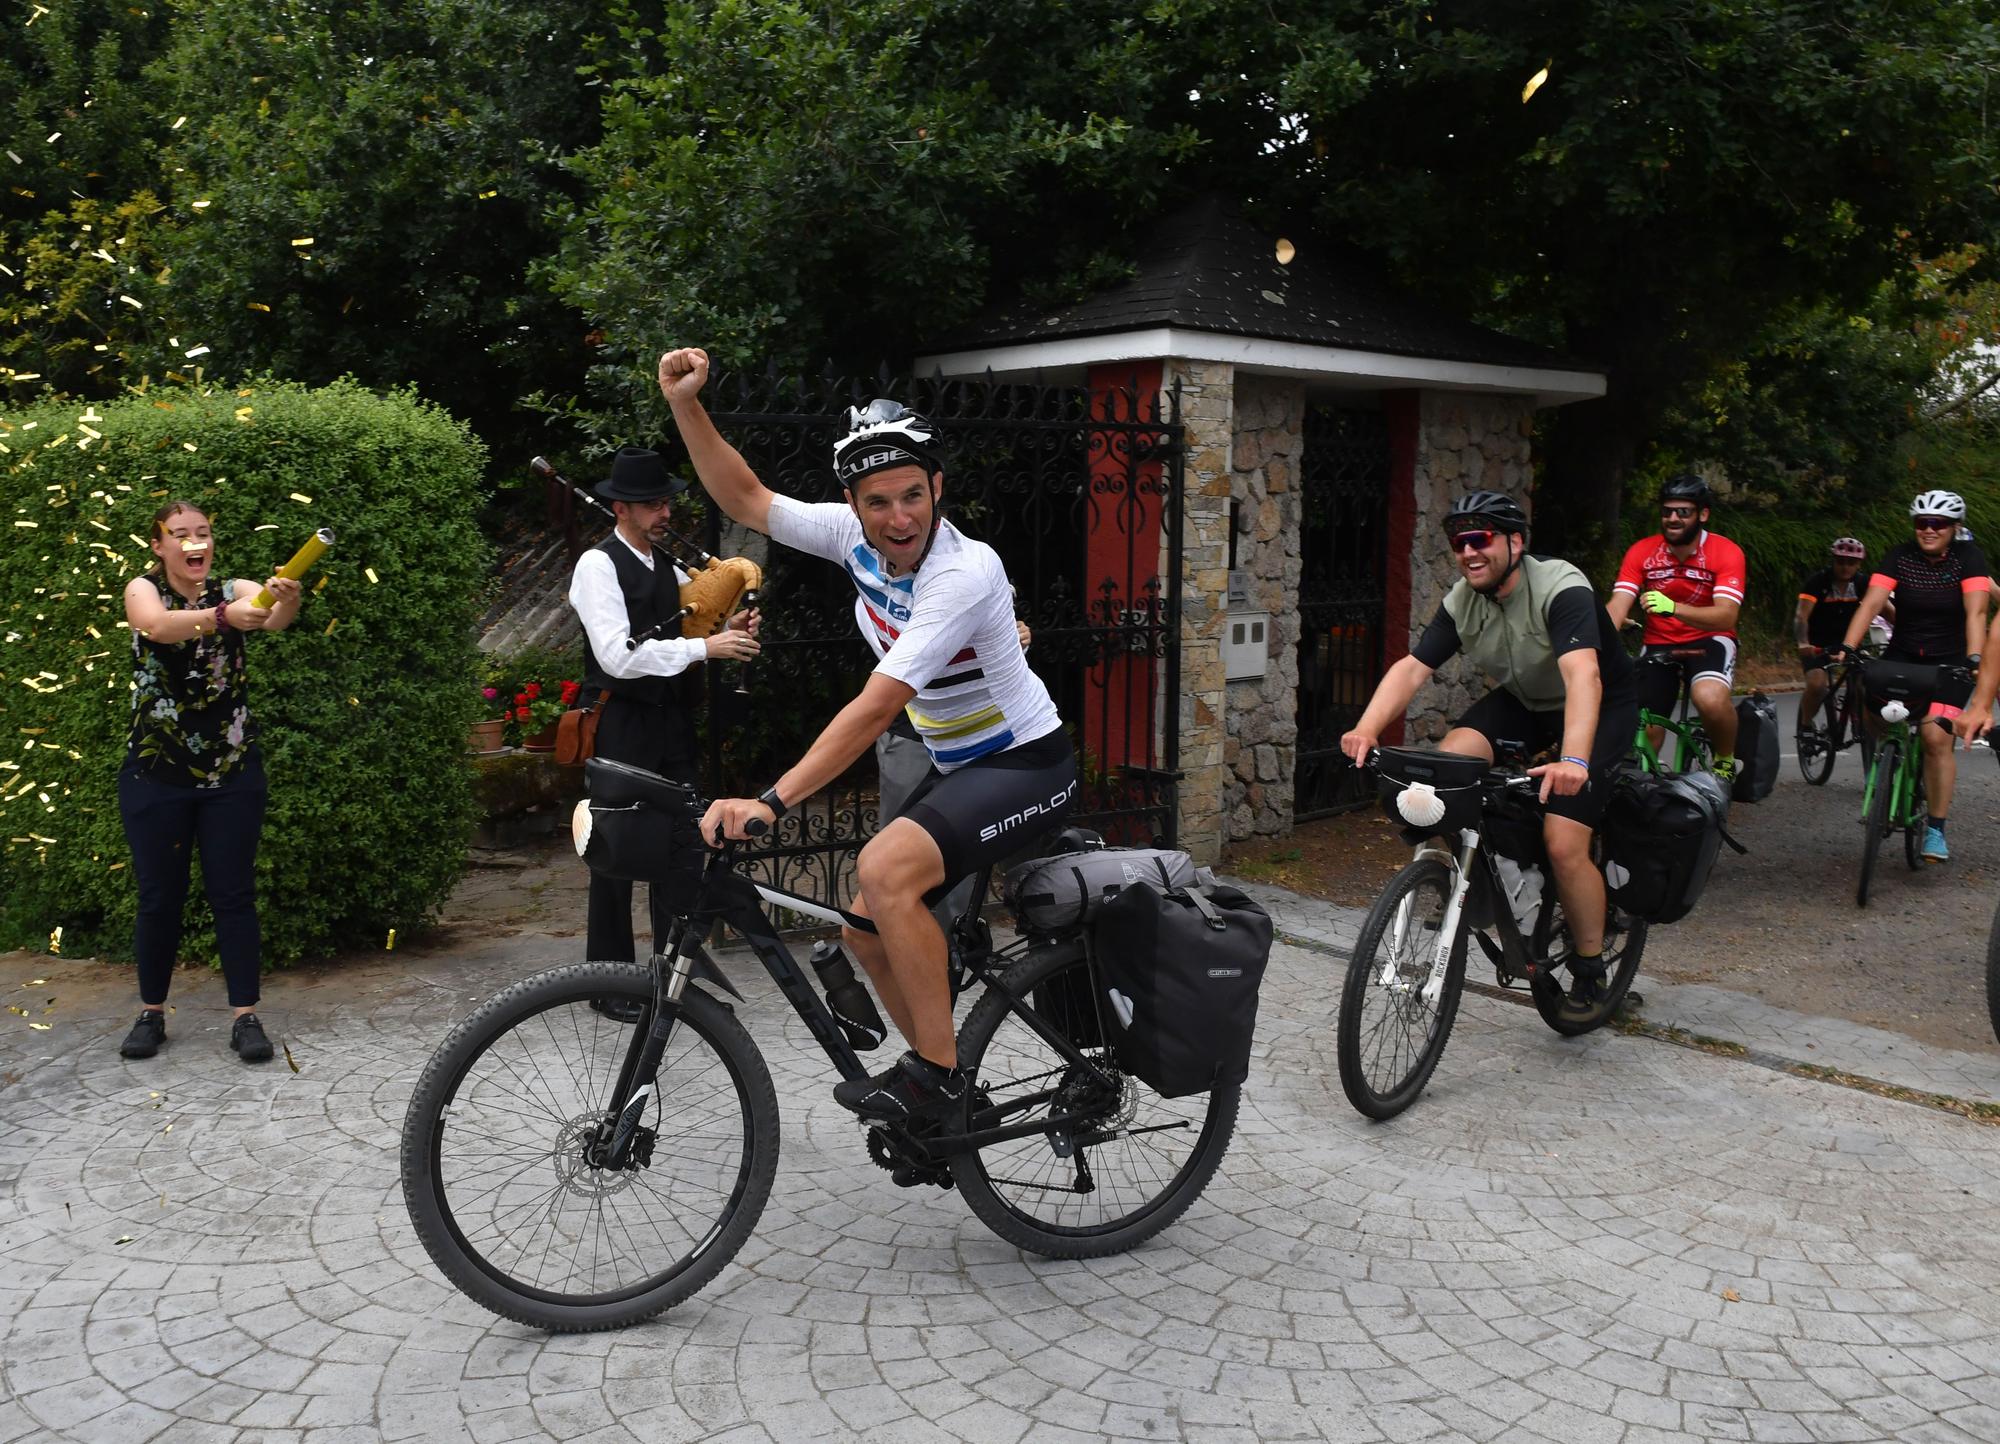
point(363, 705)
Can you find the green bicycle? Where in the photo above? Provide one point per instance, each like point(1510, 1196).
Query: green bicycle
point(1892, 796)
point(1693, 752)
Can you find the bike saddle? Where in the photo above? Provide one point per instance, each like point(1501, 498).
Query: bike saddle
point(619, 784)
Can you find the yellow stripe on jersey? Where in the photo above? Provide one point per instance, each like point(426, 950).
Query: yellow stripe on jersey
point(943, 729)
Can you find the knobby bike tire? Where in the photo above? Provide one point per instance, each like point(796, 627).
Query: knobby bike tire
point(1993, 975)
point(1819, 744)
point(1875, 826)
point(1918, 818)
point(1358, 1044)
point(513, 1087)
point(1624, 945)
point(1160, 1153)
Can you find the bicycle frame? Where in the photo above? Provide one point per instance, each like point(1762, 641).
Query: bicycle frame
point(1903, 785)
point(1692, 741)
point(1472, 867)
point(740, 902)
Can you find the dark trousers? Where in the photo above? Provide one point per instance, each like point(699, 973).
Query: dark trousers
point(659, 739)
point(164, 825)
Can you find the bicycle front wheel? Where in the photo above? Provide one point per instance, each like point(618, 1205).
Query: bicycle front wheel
point(498, 1144)
point(1127, 1164)
point(1993, 976)
point(1390, 1037)
point(1818, 743)
point(1917, 819)
point(1875, 826)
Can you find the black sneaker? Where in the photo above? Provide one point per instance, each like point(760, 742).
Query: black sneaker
point(1586, 986)
point(146, 1036)
point(914, 1090)
point(248, 1039)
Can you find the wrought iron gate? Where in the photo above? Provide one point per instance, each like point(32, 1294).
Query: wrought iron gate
point(1343, 551)
point(1081, 496)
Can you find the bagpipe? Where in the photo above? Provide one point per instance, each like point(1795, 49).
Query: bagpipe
point(716, 589)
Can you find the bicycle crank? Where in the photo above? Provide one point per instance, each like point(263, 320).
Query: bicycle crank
point(892, 1153)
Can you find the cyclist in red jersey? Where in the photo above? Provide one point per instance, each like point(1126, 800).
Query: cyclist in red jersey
point(1689, 585)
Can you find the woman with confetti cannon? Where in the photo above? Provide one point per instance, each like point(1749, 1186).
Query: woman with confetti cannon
point(193, 778)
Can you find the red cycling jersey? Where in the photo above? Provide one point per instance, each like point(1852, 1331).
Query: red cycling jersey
point(1712, 572)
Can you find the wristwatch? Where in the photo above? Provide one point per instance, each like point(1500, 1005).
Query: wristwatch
point(769, 797)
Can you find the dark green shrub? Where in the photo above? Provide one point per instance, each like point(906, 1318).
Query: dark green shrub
point(363, 705)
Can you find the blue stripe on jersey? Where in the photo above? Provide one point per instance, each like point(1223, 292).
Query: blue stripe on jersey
point(878, 591)
point(954, 756)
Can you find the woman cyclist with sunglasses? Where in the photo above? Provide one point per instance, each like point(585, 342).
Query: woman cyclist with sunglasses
point(1941, 585)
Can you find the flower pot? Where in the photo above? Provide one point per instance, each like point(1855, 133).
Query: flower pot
point(487, 735)
point(542, 741)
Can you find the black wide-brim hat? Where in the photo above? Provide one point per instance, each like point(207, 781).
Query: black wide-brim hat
point(640, 475)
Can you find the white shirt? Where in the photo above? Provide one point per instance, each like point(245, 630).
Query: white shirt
point(600, 604)
point(948, 631)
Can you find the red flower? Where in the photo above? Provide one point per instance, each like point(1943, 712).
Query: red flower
point(521, 699)
point(533, 690)
point(570, 692)
point(523, 714)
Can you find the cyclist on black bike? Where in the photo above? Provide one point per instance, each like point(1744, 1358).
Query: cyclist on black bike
point(1941, 585)
point(1827, 602)
point(1535, 626)
point(1689, 584)
point(937, 609)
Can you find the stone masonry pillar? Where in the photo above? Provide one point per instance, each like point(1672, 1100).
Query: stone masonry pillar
point(1208, 417)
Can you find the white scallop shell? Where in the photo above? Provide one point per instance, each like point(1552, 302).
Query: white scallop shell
point(1420, 804)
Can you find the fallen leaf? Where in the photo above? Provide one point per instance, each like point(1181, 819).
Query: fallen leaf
point(1732, 1296)
point(288, 1056)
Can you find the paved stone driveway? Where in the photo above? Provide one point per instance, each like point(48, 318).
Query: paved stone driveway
point(1601, 1239)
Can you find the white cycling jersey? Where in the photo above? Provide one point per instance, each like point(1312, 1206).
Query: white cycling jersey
point(948, 632)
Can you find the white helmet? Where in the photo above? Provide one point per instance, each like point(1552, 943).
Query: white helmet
point(1939, 503)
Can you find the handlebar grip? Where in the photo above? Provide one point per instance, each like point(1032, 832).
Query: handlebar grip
point(756, 827)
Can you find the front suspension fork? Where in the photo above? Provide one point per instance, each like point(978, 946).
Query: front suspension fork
point(1440, 962)
point(642, 1060)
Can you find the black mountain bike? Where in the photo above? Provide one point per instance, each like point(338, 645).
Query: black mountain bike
point(592, 1145)
point(1838, 724)
point(1408, 969)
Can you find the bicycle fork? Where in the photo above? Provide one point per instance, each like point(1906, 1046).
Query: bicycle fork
point(1399, 928)
point(642, 1060)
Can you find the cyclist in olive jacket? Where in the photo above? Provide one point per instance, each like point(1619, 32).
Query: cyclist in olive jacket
point(1536, 627)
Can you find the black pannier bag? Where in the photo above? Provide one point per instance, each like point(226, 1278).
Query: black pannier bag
point(1756, 748)
point(1178, 974)
point(1052, 894)
point(639, 827)
point(1661, 834)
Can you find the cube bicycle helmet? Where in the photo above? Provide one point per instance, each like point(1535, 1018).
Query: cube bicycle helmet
point(1939, 503)
point(881, 435)
point(1497, 510)
point(1848, 547)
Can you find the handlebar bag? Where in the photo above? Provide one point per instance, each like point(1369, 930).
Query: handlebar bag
point(1756, 748)
point(1914, 684)
point(1179, 972)
point(1456, 781)
point(1053, 894)
point(1661, 835)
point(636, 825)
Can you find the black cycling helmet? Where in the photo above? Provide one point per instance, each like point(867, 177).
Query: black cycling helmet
point(1687, 487)
point(881, 435)
point(1497, 510)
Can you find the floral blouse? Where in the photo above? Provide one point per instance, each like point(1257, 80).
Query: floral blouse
point(190, 701)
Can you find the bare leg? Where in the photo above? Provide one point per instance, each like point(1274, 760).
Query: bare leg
point(908, 962)
point(1579, 884)
point(866, 949)
point(1940, 770)
point(1718, 716)
point(1467, 743)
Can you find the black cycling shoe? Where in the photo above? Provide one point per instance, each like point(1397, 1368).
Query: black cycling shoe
point(247, 1038)
point(913, 1091)
point(1586, 986)
point(146, 1036)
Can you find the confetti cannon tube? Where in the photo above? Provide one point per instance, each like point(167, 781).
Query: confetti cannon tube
point(301, 561)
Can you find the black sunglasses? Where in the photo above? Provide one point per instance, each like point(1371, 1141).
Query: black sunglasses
point(1477, 540)
point(1935, 523)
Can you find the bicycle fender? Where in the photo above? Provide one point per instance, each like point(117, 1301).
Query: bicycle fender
point(705, 971)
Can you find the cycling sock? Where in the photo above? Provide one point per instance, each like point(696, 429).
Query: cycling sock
point(1725, 759)
point(1937, 822)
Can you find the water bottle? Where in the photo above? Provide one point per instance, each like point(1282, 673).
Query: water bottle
point(852, 1006)
point(1523, 886)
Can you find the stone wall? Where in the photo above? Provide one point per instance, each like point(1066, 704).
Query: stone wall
point(1207, 413)
point(1261, 750)
point(1465, 441)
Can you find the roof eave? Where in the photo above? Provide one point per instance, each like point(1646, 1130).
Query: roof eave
point(1550, 386)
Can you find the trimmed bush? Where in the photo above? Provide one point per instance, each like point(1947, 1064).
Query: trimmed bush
point(363, 705)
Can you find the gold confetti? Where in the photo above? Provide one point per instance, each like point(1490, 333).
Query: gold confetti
point(369, 572)
point(259, 306)
point(122, 1239)
point(267, 526)
point(390, 946)
point(39, 1027)
point(289, 1059)
point(168, 1129)
point(176, 126)
point(55, 940)
point(303, 241)
point(330, 626)
point(488, 195)
point(354, 701)
point(1534, 84)
point(135, 305)
point(301, 498)
point(322, 584)
point(195, 351)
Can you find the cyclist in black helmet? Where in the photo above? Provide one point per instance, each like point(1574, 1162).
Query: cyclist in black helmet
point(937, 609)
point(1536, 627)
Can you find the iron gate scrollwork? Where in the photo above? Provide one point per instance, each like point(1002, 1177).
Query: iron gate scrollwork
point(1343, 551)
point(1079, 492)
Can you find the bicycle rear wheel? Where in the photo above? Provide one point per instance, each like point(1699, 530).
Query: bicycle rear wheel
point(1624, 945)
point(1389, 1039)
point(1076, 1191)
point(496, 1145)
point(1875, 825)
point(1993, 975)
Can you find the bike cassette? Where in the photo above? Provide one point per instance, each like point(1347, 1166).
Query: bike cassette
point(905, 1169)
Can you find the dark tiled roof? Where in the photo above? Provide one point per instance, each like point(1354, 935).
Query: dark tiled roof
point(1205, 268)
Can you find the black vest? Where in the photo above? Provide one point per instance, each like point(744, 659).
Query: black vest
point(651, 593)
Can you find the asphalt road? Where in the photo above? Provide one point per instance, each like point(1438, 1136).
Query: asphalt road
point(1782, 923)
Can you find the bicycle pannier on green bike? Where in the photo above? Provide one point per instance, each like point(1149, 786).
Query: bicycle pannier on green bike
point(1179, 973)
point(1661, 835)
point(637, 825)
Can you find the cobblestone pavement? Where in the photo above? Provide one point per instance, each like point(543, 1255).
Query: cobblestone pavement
point(1595, 1239)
